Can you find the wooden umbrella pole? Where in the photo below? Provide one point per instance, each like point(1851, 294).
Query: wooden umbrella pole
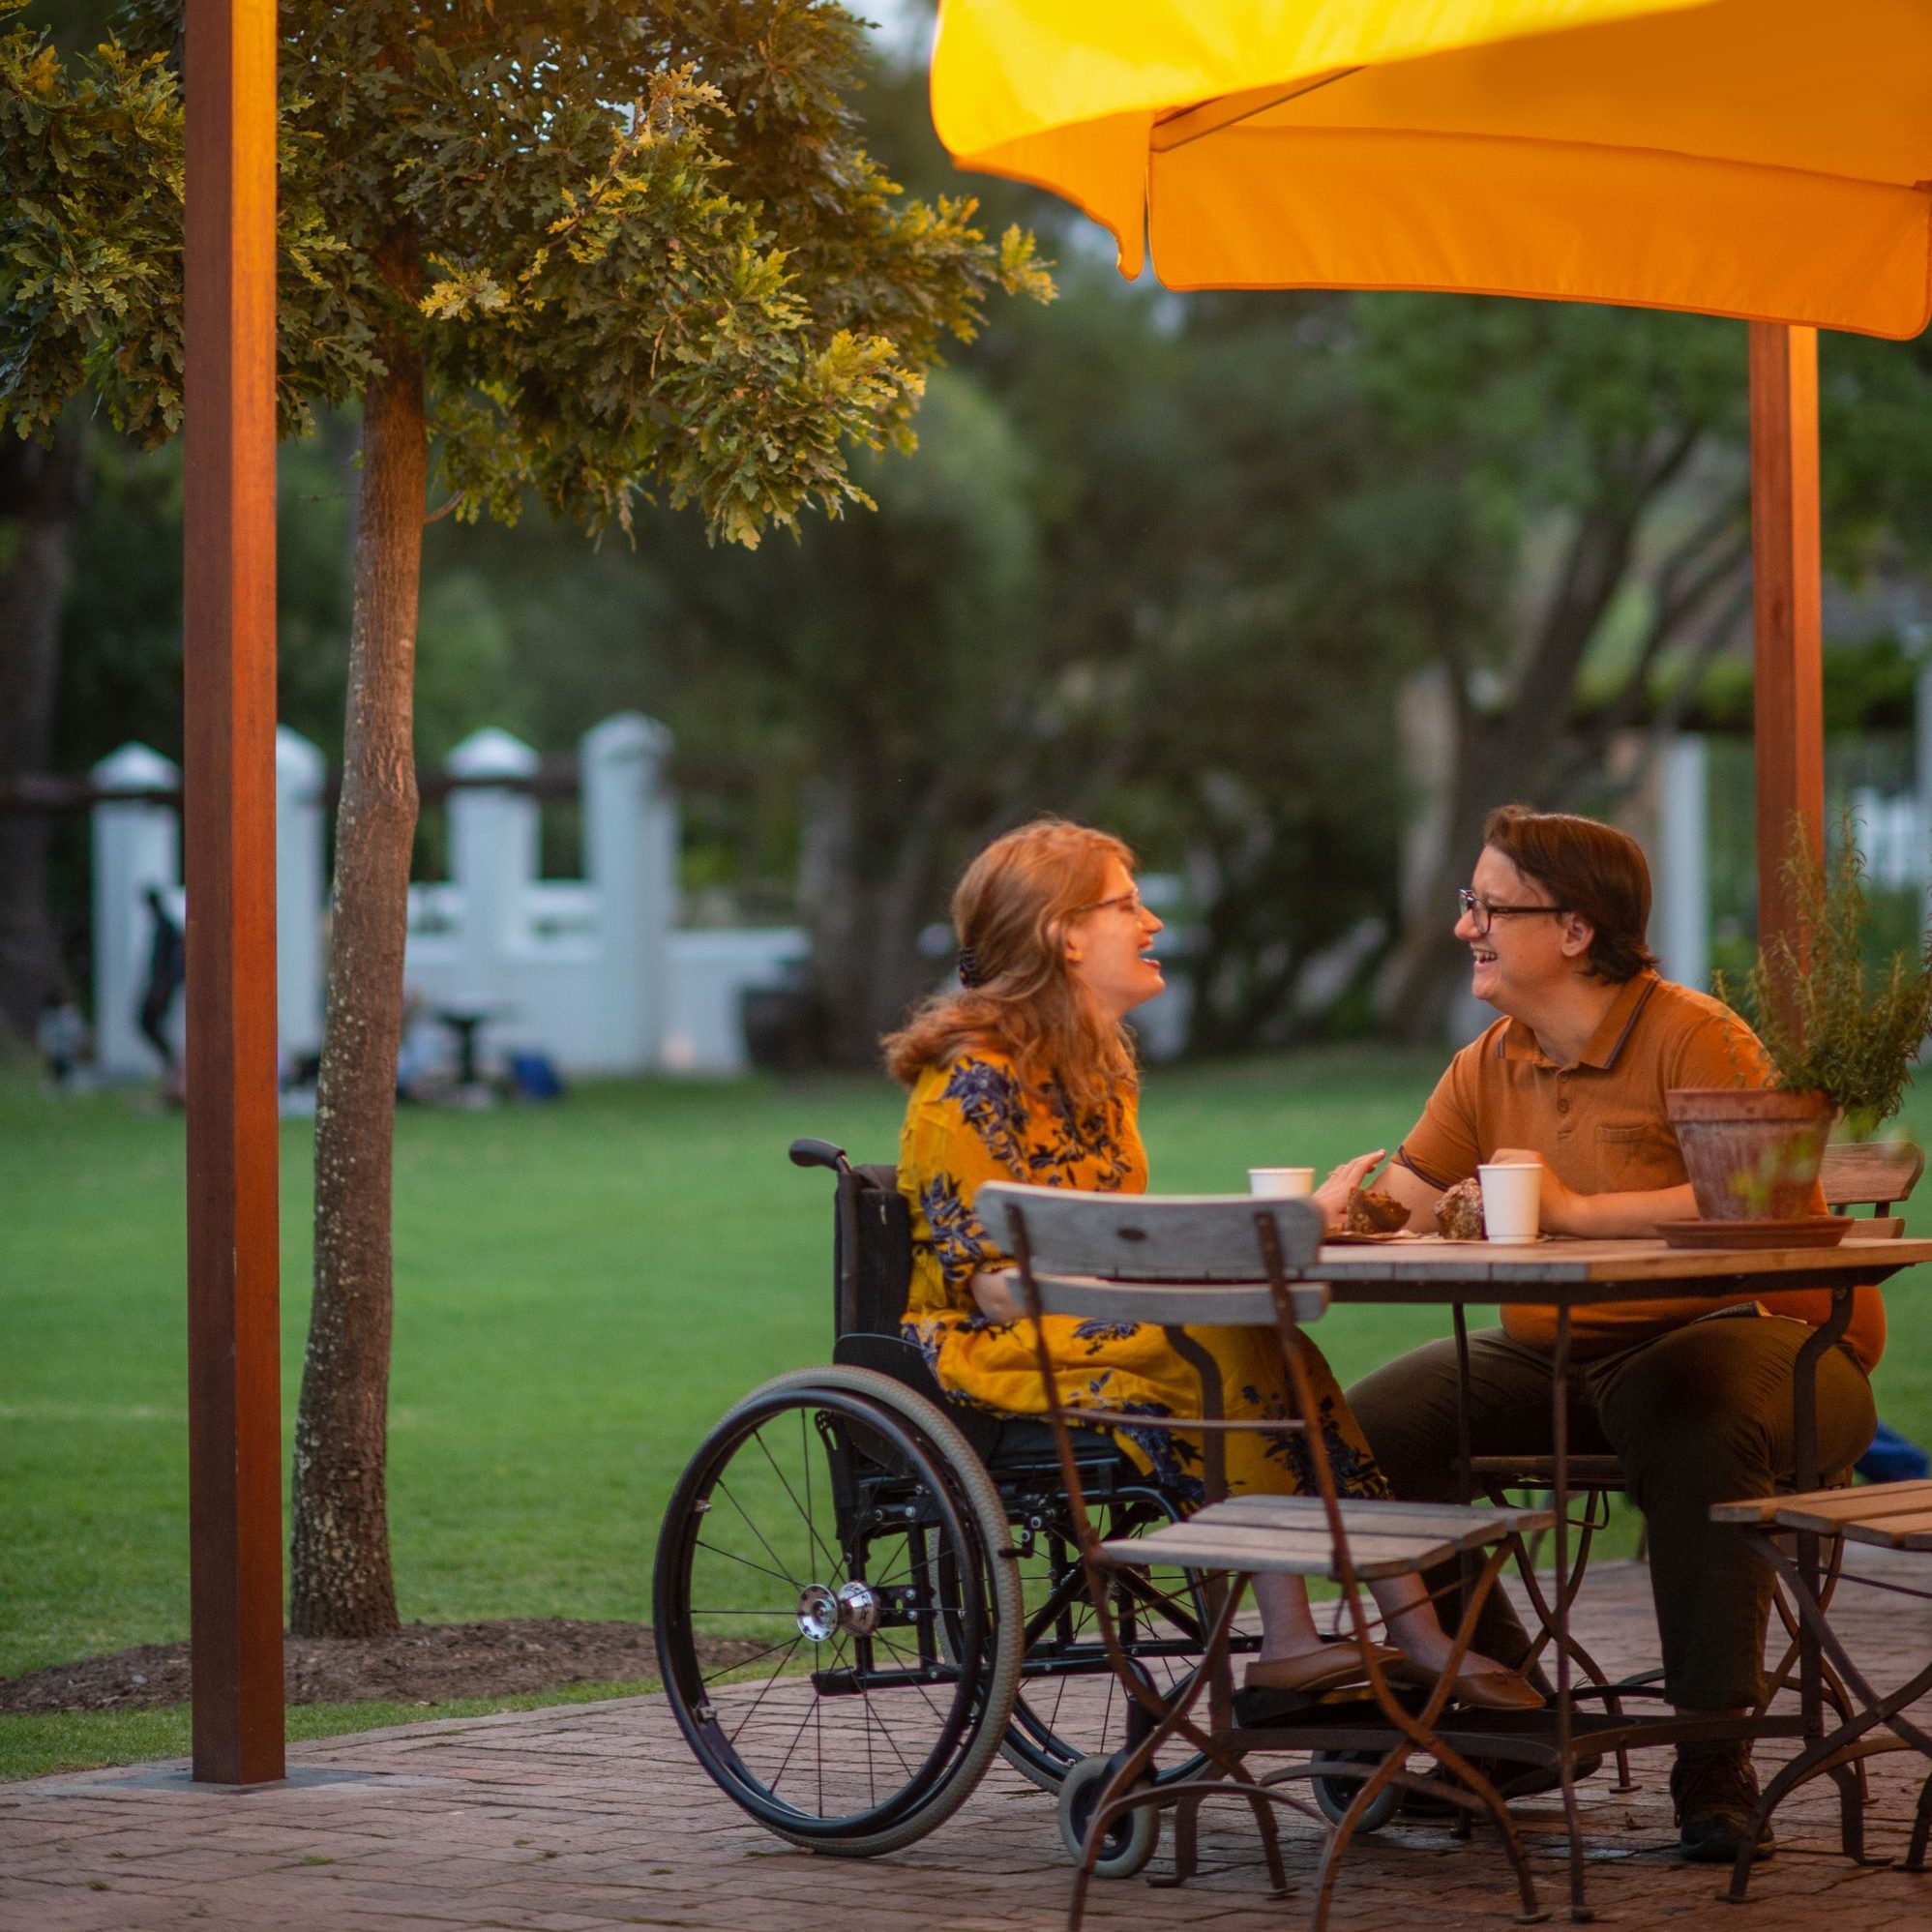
point(1790, 694)
point(234, 1396)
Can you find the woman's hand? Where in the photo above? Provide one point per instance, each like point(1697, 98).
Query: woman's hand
point(1332, 1196)
point(996, 1292)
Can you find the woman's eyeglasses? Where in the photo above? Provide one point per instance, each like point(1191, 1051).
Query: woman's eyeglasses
point(1125, 902)
point(1480, 911)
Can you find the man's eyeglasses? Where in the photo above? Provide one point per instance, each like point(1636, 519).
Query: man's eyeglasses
point(1480, 911)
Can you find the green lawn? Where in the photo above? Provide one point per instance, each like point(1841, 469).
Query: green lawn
point(580, 1290)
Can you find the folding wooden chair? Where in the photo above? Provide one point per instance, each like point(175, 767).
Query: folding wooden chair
point(1183, 1262)
point(1889, 1515)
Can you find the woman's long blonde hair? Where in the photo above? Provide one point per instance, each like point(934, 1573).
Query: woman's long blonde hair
point(1011, 912)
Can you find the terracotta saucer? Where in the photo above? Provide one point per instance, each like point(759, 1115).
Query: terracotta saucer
point(1804, 1231)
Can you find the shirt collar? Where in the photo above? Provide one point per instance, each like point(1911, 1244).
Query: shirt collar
point(1519, 1043)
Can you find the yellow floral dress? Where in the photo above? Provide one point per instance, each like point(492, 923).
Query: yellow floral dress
point(974, 1121)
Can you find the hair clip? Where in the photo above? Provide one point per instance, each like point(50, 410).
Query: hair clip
point(969, 972)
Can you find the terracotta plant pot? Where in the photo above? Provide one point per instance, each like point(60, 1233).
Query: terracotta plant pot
point(1752, 1154)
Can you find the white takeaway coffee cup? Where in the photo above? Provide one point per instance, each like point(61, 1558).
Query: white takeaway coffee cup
point(1280, 1183)
point(1513, 1192)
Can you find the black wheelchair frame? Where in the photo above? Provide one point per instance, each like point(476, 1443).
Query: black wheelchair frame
point(905, 1572)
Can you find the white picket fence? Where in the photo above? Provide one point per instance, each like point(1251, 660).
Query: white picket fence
point(596, 973)
point(593, 973)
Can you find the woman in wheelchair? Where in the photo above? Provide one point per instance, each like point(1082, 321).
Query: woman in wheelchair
point(1027, 1074)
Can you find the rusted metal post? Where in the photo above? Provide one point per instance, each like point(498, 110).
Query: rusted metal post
point(234, 1387)
point(1790, 693)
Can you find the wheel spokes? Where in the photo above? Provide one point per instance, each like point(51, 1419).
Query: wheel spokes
point(833, 1667)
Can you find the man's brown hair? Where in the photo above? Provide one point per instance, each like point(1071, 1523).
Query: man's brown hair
point(1597, 871)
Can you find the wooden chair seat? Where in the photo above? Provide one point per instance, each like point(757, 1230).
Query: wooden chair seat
point(1290, 1534)
point(1894, 1515)
point(1471, 1527)
point(1265, 1548)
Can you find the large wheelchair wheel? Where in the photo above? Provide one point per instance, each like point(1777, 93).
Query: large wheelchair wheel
point(837, 1610)
point(1071, 1706)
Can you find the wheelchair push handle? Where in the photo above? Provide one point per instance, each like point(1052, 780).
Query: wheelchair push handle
point(809, 1153)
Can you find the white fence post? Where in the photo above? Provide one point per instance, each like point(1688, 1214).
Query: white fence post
point(137, 845)
point(493, 855)
point(631, 861)
point(299, 772)
point(1681, 920)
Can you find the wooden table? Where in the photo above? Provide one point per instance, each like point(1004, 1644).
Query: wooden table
point(1565, 1275)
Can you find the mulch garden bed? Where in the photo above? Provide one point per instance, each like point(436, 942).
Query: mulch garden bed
point(422, 1663)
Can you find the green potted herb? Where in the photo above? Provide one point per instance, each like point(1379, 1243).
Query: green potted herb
point(1840, 1040)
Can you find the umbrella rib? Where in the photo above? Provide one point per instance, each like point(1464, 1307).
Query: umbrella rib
point(1228, 111)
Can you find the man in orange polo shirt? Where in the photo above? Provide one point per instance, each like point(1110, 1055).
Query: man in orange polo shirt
point(1693, 1396)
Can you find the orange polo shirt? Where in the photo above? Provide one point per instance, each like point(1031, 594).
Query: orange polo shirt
point(1601, 1124)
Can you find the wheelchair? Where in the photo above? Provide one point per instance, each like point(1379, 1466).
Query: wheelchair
point(864, 1591)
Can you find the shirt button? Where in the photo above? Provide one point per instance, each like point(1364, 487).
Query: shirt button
point(1563, 1105)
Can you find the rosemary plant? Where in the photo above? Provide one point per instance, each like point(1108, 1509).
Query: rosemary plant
point(1830, 1025)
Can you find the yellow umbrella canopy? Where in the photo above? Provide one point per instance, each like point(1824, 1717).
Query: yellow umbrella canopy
point(1763, 159)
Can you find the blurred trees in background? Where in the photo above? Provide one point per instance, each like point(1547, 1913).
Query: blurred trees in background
point(1167, 562)
point(571, 256)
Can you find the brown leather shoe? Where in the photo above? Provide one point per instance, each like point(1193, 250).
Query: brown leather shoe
point(1480, 1690)
point(1330, 1667)
point(1715, 1793)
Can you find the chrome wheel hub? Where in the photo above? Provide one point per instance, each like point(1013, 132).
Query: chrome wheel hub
point(822, 1611)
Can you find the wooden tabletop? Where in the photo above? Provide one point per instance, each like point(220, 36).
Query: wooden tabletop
point(1559, 1270)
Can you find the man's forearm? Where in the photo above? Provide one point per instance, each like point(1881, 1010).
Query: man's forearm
point(1606, 1215)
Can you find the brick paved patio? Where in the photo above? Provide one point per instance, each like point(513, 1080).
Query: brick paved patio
point(594, 1815)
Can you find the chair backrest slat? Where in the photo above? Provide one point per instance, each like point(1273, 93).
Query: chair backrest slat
point(1190, 1304)
point(1863, 1173)
point(1166, 1238)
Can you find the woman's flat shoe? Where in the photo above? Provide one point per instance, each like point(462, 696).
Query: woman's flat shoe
point(1329, 1667)
point(1480, 1690)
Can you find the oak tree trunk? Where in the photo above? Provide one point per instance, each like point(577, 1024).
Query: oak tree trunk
point(341, 1584)
point(41, 494)
point(871, 876)
point(1429, 961)
point(1518, 753)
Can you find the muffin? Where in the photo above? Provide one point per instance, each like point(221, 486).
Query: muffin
point(1459, 1213)
point(1371, 1212)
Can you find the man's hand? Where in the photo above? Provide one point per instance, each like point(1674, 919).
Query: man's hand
point(1562, 1210)
point(1557, 1210)
point(1332, 1196)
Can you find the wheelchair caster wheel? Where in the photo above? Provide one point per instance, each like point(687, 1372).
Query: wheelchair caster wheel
point(1130, 1839)
point(1334, 1794)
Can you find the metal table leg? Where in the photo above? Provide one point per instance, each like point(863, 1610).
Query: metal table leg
point(1805, 1475)
point(1559, 1451)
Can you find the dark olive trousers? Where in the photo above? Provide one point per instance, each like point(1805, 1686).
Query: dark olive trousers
point(1700, 1415)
